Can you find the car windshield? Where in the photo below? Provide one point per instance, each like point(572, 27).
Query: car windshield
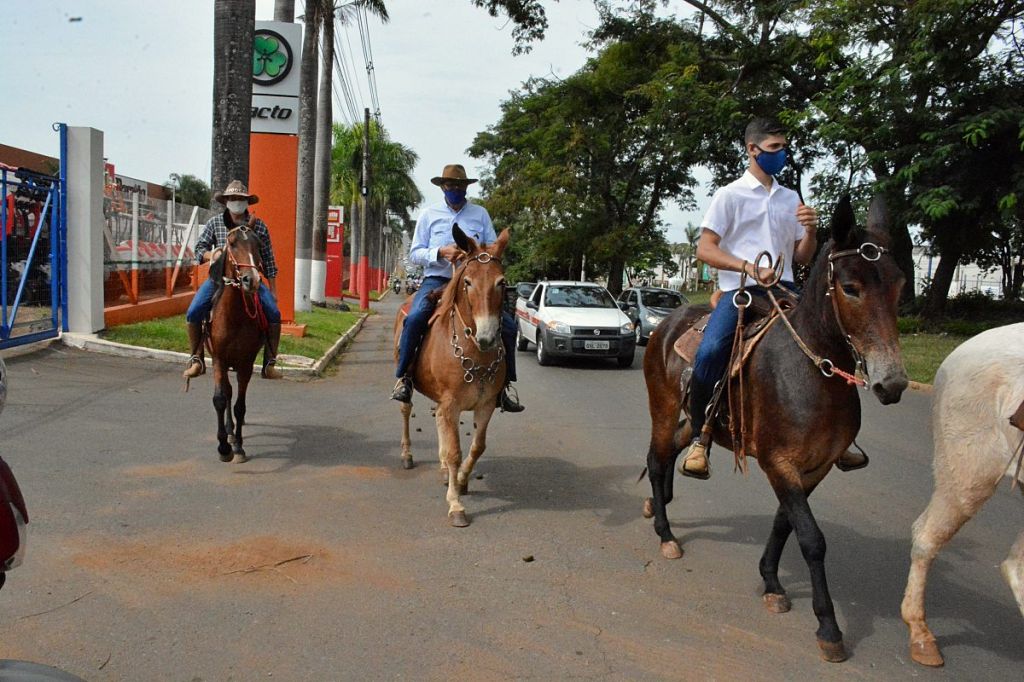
point(662, 299)
point(578, 297)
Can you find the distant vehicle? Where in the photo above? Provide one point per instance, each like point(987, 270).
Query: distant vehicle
point(574, 319)
point(646, 307)
point(524, 289)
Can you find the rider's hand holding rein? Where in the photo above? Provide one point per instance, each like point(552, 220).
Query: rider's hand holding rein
point(451, 253)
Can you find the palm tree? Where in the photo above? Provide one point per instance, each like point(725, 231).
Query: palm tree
point(307, 150)
point(233, 23)
point(284, 10)
point(322, 154)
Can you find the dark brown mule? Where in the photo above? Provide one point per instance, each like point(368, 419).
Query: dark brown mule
point(461, 362)
point(854, 286)
point(237, 328)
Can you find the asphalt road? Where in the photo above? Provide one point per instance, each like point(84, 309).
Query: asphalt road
point(322, 559)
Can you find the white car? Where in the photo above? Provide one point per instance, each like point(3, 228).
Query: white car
point(578, 319)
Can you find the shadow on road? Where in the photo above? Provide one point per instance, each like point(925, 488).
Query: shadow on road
point(867, 576)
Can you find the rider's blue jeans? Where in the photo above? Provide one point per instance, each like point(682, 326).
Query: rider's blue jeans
point(416, 328)
point(203, 302)
point(713, 354)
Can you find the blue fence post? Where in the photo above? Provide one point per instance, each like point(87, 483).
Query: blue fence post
point(62, 227)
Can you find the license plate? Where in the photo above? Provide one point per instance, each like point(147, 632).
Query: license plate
point(597, 345)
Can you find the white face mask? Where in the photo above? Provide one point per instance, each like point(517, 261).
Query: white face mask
point(237, 207)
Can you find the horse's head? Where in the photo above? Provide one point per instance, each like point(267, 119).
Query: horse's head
point(242, 259)
point(482, 284)
point(865, 285)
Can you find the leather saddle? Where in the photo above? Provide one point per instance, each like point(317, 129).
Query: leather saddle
point(760, 315)
point(434, 296)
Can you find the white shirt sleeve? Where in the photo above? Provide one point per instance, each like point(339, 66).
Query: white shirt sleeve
point(798, 229)
point(420, 252)
point(487, 232)
point(718, 218)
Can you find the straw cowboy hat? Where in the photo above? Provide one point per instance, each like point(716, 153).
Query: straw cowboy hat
point(453, 172)
point(234, 189)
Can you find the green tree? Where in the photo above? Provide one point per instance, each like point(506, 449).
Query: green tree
point(189, 189)
point(582, 166)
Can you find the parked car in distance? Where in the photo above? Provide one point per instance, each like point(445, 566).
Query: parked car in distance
point(524, 289)
point(574, 319)
point(646, 307)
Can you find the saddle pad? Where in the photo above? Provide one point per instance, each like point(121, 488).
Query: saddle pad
point(686, 345)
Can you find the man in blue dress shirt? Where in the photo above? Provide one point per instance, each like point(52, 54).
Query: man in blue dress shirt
point(433, 247)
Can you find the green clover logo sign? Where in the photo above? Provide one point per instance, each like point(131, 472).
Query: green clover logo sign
point(271, 57)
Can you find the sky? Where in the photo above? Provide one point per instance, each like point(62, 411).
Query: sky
point(142, 73)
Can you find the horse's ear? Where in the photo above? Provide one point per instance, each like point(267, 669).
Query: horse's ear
point(878, 215)
point(463, 240)
point(842, 220)
point(501, 243)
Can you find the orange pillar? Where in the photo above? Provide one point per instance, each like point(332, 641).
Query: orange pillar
point(273, 176)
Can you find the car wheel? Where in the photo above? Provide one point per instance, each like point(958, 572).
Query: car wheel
point(638, 332)
point(543, 358)
point(625, 360)
point(522, 343)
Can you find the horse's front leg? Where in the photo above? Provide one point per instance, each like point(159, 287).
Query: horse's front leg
point(775, 598)
point(667, 439)
point(406, 409)
point(244, 376)
point(447, 417)
point(481, 418)
point(793, 500)
point(222, 403)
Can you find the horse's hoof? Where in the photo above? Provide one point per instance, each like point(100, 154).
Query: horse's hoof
point(226, 456)
point(833, 652)
point(671, 550)
point(648, 511)
point(407, 463)
point(240, 458)
point(458, 519)
point(926, 653)
point(777, 603)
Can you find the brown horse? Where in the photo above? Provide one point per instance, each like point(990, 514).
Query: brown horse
point(461, 362)
point(848, 309)
point(236, 335)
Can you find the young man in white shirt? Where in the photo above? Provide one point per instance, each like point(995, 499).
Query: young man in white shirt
point(747, 216)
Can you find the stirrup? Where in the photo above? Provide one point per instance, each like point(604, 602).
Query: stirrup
point(403, 390)
point(194, 361)
point(853, 461)
point(270, 370)
point(695, 464)
point(508, 403)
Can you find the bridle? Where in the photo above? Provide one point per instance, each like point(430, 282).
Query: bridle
point(229, 253)
point(471, 369)
point(870, 252)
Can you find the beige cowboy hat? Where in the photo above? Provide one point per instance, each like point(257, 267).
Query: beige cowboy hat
point(453, 172)
point(234, 189)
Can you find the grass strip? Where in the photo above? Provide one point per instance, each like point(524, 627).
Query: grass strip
point(324, 327)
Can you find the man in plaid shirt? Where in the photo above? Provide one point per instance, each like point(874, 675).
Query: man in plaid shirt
point(236, 199)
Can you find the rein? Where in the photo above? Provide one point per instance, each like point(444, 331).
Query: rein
point(472, 370)
point(870, 252)
point(254, 310)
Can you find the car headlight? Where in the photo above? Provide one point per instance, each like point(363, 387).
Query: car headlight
point(653, 319)
point(559, 327)
point(627, 328)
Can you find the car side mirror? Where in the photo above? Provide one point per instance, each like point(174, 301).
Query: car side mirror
point(532, 305)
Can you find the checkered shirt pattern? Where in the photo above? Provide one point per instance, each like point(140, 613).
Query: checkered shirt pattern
point(215, 234)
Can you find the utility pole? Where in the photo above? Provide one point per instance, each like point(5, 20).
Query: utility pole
point(364, 265)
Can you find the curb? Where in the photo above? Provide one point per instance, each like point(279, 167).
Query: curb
point(94, 344)
point(918, 386)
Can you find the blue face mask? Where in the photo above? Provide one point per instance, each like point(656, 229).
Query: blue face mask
point(771, 163)
point(454, 197)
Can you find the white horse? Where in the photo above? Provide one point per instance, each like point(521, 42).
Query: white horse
point(977, 389)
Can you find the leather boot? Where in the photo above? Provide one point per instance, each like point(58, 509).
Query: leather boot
point(196, 364)
point(849, 461)
point(508, 403)
point(270, 370)
point(403, 390)
point(695, 463)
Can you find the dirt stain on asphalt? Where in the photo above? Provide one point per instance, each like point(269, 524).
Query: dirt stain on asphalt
point(189, 467)
point(360, 472)
point(174, 562)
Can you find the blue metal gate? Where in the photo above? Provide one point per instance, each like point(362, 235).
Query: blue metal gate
point(33, 252)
